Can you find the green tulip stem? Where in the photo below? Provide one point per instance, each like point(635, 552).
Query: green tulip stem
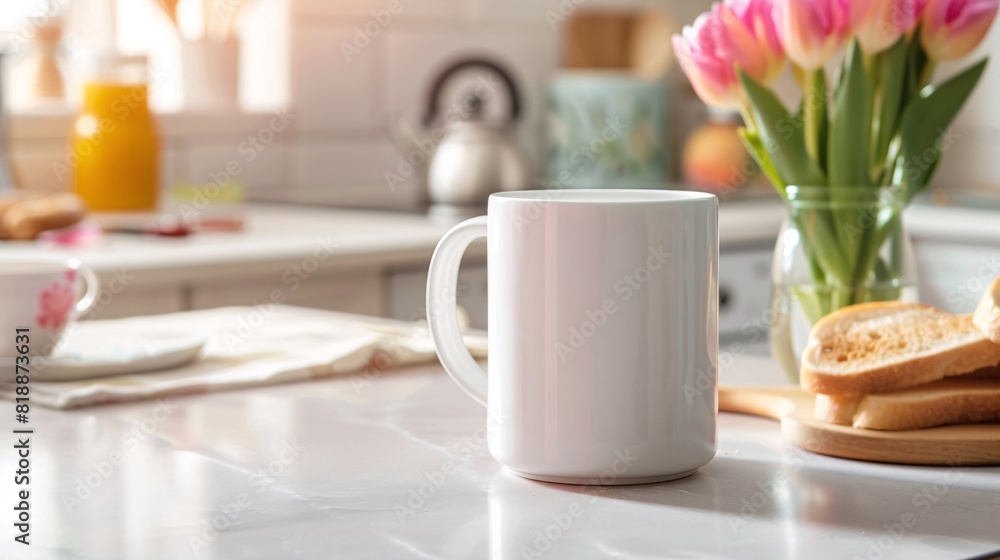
point(748, 120)
point(927, 74)
point(814, 106)
point(890, 91)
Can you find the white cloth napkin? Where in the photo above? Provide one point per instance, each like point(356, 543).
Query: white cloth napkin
point(247, 346)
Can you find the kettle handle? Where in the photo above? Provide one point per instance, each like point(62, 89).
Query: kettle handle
point(432, 101)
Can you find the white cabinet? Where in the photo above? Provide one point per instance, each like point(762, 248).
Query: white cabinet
point(744, 296)
point(358, 292)
point(361, 292)
point(115, 301)
point(407, 293)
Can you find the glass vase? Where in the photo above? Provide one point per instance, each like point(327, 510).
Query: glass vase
point(839, 246)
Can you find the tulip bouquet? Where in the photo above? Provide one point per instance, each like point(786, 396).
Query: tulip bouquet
point(874, 130)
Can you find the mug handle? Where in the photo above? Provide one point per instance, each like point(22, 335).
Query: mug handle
point(90, 295)
point(442, 318)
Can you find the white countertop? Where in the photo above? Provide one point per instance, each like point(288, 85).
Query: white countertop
point(277, 235)
point(950, 224)
point(395, 467)
point(761, 220)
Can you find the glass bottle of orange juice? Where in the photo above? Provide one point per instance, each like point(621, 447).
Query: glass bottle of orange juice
point(114, 140)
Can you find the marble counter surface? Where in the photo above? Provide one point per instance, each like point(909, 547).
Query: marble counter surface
point(394, 465)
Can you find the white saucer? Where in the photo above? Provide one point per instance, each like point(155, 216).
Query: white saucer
point(74, 364)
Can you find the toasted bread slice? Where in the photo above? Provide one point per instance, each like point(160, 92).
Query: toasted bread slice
point(987, 315)
point(837, 409)
point(962, 400)
point(842, 409)
point(888, 346)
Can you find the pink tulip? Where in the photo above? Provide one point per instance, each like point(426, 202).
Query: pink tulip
point(758, 17)
point(812, 31)
point(952, 28)
point(878, 24)
point(737, 34)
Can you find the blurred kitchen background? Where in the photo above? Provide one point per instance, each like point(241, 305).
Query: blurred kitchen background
point(297, 106)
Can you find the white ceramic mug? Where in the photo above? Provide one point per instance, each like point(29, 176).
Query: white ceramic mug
point(41, 293)
point(603, 332)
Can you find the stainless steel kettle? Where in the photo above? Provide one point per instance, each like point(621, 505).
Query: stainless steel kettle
point(475, 157)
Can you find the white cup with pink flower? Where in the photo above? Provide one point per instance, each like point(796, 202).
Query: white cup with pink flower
point(39, 296)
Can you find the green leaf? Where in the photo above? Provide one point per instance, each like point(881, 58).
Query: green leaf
point(924, 124)
point(850, 152)
point(817, 229)
point(756, 148)
point(811, 303)
point(781, 136)
point(916, 67)
point(886, 222)
point(850, 129)
point(892, 74)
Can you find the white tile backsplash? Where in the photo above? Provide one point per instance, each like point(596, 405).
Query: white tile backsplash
point(260, 171)
point(387, 84)
point(42, 165)
point(532, 11)
point(348, 165)
point(972, 145)
point(552, 13)
point(334, 91)
point(172, 166)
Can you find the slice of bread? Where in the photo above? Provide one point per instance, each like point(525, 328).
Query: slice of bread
point(963, 400)
point(888, 346)
point(987, 315)
point(837, 409)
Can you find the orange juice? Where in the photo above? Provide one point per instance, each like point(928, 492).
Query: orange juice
point(115, 148)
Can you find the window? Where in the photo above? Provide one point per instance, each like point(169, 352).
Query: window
point(263, 69)
point(141, 27)
point(14, 15)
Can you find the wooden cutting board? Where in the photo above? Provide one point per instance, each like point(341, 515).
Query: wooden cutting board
point(974, 444)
